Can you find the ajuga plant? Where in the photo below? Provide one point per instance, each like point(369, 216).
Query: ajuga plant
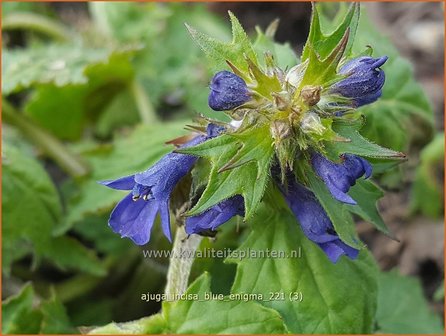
point(290, 160)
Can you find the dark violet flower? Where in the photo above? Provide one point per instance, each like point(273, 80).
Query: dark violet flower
point(134, 216)
point(227, 91)
point(339, 177)
point(216, 215)
point(364, 82)
point(314, 221)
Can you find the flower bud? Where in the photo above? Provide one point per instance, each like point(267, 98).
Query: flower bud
point(311, 94)
point(311, 123)
point(364, 82)
point(227, 91)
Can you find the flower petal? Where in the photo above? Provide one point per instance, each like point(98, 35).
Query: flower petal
point(134, 219)
point(122, 183)
point(215, 216)
point(314, 221)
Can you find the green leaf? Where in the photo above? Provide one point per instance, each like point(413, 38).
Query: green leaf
point(240, 165)
point(58, 64)
point(26, 314)
point(198, 315)
point(55, 319)
point(144, 146)
point(58, 109)
point(403, 114)
point(427, 190)
point(18, 316)
point(147, 325)
point(323, 44)
point(366, 194)
point(219, 317)
point(336, 211)
point(221, 52)
point(29, 190)
point(402, 308)
point(332, 294)
point(356, 144)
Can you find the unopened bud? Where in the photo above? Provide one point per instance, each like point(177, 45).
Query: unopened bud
point(311, 95)
point(311, 123)
point(280, 129)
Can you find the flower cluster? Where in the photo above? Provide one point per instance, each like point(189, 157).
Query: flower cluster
point(296, 115)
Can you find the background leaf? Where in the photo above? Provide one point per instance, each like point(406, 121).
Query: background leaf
point(401, 313)
point(29, 190)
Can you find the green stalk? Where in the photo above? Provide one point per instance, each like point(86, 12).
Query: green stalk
point(181, 261)
point(63, 156)
point(37, 23)
point(145, 107)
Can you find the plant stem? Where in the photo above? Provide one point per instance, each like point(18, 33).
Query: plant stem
point(181, 260)
point(145, 107)
point(38, 23)
point(67, 160)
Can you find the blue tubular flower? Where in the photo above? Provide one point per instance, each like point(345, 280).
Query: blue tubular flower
point(216, 215)
point(364, 82)
point(339, 177)
point(227, 91)
point(134, 216)
point(314, 221)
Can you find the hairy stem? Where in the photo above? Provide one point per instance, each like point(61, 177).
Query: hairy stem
point(37, 23)
point(67, 160)
point(181, 260)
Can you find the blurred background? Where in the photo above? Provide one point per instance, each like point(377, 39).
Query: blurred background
point(85, 89)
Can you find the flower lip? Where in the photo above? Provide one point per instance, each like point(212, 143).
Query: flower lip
point(339, 177)
point(313, 220)
point(228, 91)
point(150, 191)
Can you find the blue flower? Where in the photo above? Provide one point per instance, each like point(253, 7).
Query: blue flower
point(134, 216)
point(227, 91)
point(339, 177)
point(364, 82)
point(314, 221)
point(216, 215)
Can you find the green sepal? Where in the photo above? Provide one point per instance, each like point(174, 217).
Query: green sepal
point(240, 165)
point(357, 144)
point(221, 52)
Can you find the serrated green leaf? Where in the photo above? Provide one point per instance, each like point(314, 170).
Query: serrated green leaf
point(219, 317)
point(336, 211)
point(54, 64)
point(332, 294)
point(28, 190)
point(427, 190)
point(402, 308)
point(145, 145)
point(323, 43)
point(366, 194)
point(357, 145)
point(240, 165)
point(221, 52)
